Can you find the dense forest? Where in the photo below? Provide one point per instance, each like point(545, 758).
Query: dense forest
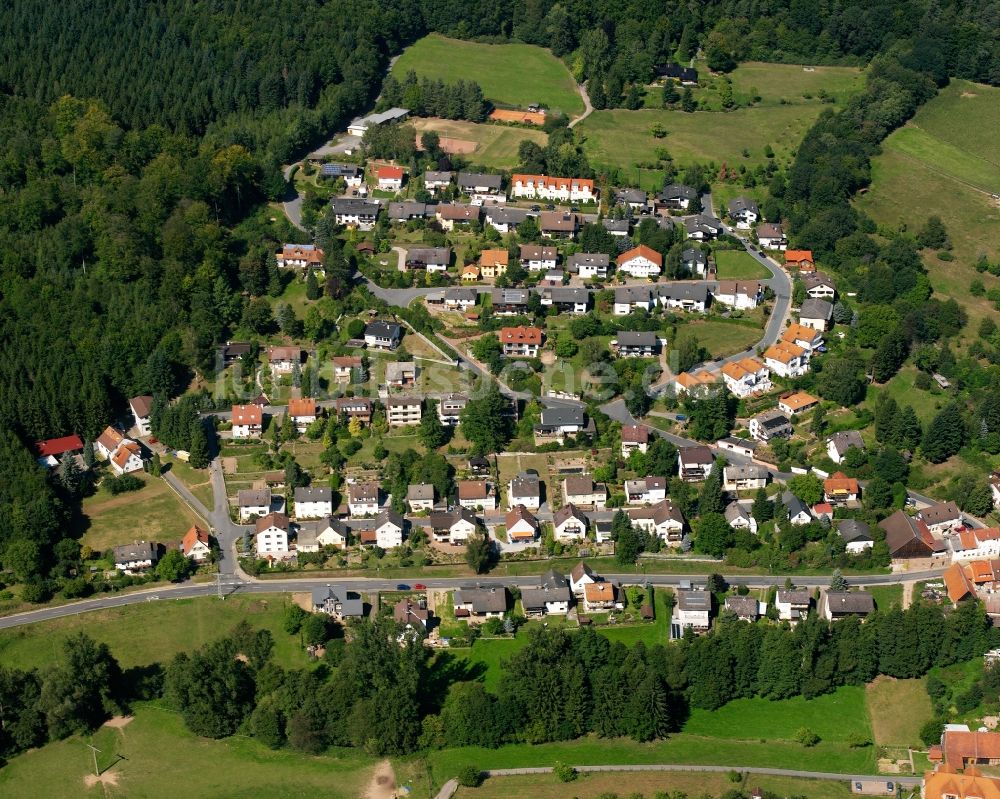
point(135, 158)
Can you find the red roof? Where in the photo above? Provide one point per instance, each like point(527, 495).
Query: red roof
point(247, 414)
point(798, 256)
point(390, 173)
point(642, 250)
point(58, 446)
point(635, 433)
point(193, 536)
point(551, 183)
point(521, 335)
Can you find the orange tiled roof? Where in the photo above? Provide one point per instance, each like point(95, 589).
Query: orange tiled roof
point(796, 332)
point(641, 251)
point(247, 414)
point(599, 592)
point(783, 351)
point(798, 401)
point(192, 537)
point(742, 368)
point(521, 335)
point(957, 582)
point(548, 182)
point(390, 173)
point(493, 258)
point(840, 482)
point(125, 451)
point(797, 256)
point(959, 746)
point(306, 406)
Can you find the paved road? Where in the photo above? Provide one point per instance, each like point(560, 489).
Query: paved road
point(250, 586)
point(774, 772)
point(292, 202)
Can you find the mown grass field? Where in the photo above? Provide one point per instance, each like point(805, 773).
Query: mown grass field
point(944, 162)
point(511, 74)
point(163, 760)
point(594, 786)
point(497, 144)
point(154, 631)
point(722, 338)
point(886, 697)
point(153, 513)
point(886, 595)
point(791, 82)
point(900, 387)
point(738, 265)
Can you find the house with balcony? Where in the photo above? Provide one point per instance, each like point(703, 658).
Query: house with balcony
point(747, 377)
point(403, 411)
point(694, 463)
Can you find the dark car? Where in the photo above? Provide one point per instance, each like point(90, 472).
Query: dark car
point(536, 208)
point(550, 207)
point(402, 587)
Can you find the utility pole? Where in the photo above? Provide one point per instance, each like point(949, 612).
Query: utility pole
point(95, 750)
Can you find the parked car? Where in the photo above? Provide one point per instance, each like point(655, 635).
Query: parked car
point(402, 587)
point(419, 587)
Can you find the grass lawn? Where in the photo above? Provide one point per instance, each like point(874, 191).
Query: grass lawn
point(722, 338)
point(486, 653)
point(199, 481)
point(933, 166)
point(925, 403)
point(791, 82)
point(890, 727)
point(514, 74)
point(594, 786)
point(152, 513)
point(163, 759)
point(886, 595)
point(154, 631)
point(656, 632)
point(739, 265)
point(496, 144)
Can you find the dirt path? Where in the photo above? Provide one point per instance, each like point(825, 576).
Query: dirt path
point(588, 108)
point(908, 594)
point(383, 782)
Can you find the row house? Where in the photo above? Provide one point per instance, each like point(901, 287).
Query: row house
point(544, 187)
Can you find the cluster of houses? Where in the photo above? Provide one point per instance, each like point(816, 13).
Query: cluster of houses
point(142, 556)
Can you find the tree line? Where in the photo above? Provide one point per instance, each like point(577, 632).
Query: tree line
point(427, 97)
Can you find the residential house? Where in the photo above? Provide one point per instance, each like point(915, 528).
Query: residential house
point(142, 407)
point(232, 351)
point(944, 517)
point(253, 503)
point(908, 537)
point(633, 298)
point(640, 262)
point(581, 489)
point(856, 534)
point(994, 481)
point(383, 335)
point(635, 344)
point(815, 313)
point(569, 523)
point(800, 259)
point(797, 402)
point(420, 497)
point(566, 300)
point(272, 536)
point(389, 528)
point(792, 603)
point(946, 783)
point(748, 477)
point(107, 442)
point(284, 360)
point(740, 517)
point(739, 294)
point(493, 263)
point(303, 412)
point(406, 210)
point(453, 526)
point(557, 423)
point(589, 265)
point(771, 236)
point(196, 544)
point(834, 605)
point(521, 342)
point(695, 261)
point(339, 602)
point(450, 408)
point(411, 614)
point(403, 411)
point(688, 297)
point(127, 458)
point(746, 608)
point(435, 180)
point(747, 377)
point(634, 437)
point(617, 227)
point(696, 384)
point(458, 299)
point(688, 76)
point(694, 463)
point(636, 200)
point(692, 609)
point(976, 543)
point(839, 489)
point(431, 259)
point(798, 511)
point(390, 178)
point(479, 183)
point(544, 187)
point(524, 489)
point(648, 490)
point(313, 502)
point(476, 494)
point(819, 286)
point(600, 597)
point(809, 338)
point(744, 212)
point(400, 374)
point(662, 519)
point(138, 556)
point(359, 408)
point(355, 213)
point(347, 368)
point(962, 748)
point(302, 256)
point(324, 532)
point(450, 214)
point(504, 220)
point(558, 224)
point(741, 446)
point(822, 511)
point(786, 359)
point(363, 499)
point(580, 577)
point(536, 259)
point(51, 451)
point(476, 602)
point(521, 525)
point(770, 424)
point(838, 445)
point(351, 174)
point(509, 302)
point(471, 273)
point(701, 227)
point(677, 197)
point(552, 596)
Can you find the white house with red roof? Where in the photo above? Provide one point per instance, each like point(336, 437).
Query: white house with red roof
point(390, 178)
point(641, 261)
point(52, 450)
point(196, 545)
point(248, 421)
point(544, 187)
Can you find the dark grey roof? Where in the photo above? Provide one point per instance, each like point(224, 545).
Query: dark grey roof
point(507, 216)
point(748, 443)
point(407, 209)
point(525, 485)
point(738, 204)
point(845, 440)
point(420, 491)
point(314, 494)
point(443, 520)
point(553, 579)
point(690, 292)
point(461, 295)
point(794, 504)
point(693, 600)
point(570, 510)
point(813, 279)
point(596, 259)
point(637, 338)
point(794, 596)
point(734, 511)
point(535, 598)
point(137, 550)
point(631, 196)
point(509, 296)
point(633, 294)
point(354, 207)
point(616, 225)
point(429, 255)
point(773, 420)
point(694, 254)
point(472, 179)
point(702, 222)
point(389, 516)
point(562, 416)
point(351, 603)
point(250, 497)
point(338, 170)
point(816, 309)
point(750, 471)
point(565, 294)
point(676, 191)
point(854, 530)
point(742, 606)
point(850, 602)
point(382, 329)
point(434, 176)
point(490, 599)
point(696, 454)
